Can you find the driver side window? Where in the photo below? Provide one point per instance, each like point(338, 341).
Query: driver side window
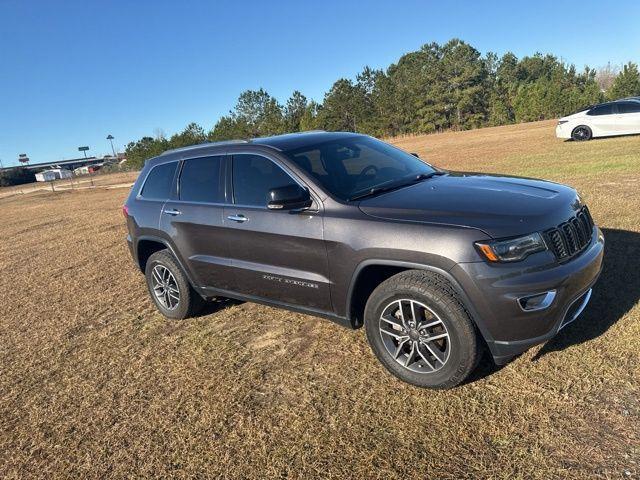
point(606, 109)
point(253, 177)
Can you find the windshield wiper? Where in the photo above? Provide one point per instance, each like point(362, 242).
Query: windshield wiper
point(425, 176)
point(385, 188)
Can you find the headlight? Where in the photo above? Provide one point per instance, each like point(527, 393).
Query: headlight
point(513, 249)
point(560, 122)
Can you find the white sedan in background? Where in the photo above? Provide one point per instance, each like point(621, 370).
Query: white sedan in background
point(621, 117)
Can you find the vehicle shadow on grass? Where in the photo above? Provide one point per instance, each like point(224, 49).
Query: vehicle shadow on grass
point(216, 305)
point(616, 293)
point(596, 139)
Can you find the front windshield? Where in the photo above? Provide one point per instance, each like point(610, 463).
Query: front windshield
point(349, 166)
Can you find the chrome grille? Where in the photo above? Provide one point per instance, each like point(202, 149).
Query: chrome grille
point(571, 237)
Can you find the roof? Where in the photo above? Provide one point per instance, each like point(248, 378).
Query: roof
point(289, 141)
point(633, 99)
point(293, 141)
point(200, 145)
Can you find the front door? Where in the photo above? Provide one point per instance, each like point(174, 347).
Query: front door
point(275, 255)
point(194, 220)
point(603, 120)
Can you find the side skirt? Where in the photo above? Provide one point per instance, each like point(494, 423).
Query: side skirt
point(208, 292)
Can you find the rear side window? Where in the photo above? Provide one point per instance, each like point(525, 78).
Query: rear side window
point(253, 177)
point(200, 180)
point(601, 110)
point(629, 107)
point(158, 184)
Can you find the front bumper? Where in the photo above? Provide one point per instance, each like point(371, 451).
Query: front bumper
point(563, 131)
point(494, 290)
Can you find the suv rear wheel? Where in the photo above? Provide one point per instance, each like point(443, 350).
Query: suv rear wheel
point(420, 331)
point(169, 287)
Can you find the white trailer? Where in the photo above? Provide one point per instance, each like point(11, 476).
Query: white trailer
point(53, 174)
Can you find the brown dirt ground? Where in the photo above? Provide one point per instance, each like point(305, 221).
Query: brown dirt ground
point(94, 383)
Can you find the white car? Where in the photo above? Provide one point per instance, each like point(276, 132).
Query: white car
point(621, 117)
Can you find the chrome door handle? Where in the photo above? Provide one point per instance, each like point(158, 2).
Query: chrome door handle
point(173, 211)
point(238, 218)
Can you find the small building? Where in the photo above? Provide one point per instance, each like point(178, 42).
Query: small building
point(87, 169)
point(53, 174)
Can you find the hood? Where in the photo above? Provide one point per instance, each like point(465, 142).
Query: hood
point(580, 114)
point(499, 206)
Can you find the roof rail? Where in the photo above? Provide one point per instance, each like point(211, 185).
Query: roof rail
point(206, 144)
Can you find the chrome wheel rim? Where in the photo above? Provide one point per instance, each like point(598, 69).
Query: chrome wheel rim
point(165, 287)
point(415, 336)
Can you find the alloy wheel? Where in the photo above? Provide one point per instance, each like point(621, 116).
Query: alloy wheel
point(165, 287)
point(581, 133)
point(414, 336)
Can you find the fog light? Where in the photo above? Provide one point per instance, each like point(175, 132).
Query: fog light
point(539, 301)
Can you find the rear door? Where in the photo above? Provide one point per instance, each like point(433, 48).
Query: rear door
point(276, 255)
point(629, 117)
point(194, 220)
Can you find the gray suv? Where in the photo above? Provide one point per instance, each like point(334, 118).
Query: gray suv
point(436, 265)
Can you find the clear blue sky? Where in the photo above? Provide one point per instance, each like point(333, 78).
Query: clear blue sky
point(72, 72)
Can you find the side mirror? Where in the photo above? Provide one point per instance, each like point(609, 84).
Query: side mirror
point(415, 154)
point(291, 197)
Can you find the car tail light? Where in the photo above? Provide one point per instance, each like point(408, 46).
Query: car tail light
point(125, 211)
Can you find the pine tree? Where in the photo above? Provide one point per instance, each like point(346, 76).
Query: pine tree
point(626, 84)
point(294, 111)
point(343, 107)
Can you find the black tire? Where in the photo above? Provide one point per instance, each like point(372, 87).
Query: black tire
point(425, 289)
point(581, 133)
point(189, 301)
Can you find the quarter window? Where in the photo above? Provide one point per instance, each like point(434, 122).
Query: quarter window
point(253, 177)
point(200, 180)
point(606, 109)
point(158, 184)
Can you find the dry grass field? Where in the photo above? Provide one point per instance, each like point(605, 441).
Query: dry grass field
point(94, 383)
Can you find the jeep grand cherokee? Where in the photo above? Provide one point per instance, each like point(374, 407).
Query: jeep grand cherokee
point(436, 265)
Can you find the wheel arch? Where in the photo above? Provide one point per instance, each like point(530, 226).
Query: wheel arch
point(360, 289)
point(147, 245)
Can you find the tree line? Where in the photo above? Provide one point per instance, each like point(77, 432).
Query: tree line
point(437, 88)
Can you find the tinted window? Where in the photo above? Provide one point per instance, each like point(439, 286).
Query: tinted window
point(601, 110)
point(158, 183)
point(200, 180)
point(629, 107)
point(253, 177)
point(351, 165)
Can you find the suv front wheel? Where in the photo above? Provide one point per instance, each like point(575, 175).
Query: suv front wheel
point(419, 329)
point(169, 287)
